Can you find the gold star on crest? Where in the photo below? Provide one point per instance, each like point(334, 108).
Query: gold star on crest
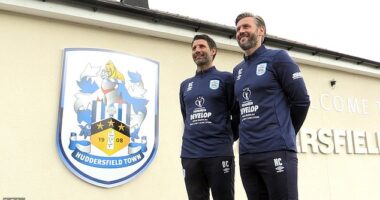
point(110, 123)
point(100, 125)
point(121, 127)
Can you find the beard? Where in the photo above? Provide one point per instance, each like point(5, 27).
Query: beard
point(250, 42)
point(202, 61)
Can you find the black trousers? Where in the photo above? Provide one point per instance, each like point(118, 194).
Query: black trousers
point(270, 175)
point(203, 174)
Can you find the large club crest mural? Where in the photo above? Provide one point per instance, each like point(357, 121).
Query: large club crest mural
point(108, 116)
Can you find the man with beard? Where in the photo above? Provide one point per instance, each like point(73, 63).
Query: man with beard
point(207, 107)
point(273, 103)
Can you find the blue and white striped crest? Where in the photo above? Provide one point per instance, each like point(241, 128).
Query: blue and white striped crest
point(108, 117)
point(121, 112)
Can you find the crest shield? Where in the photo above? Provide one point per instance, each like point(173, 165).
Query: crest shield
point(214, 84)
point(108, 116)
point(261, 69)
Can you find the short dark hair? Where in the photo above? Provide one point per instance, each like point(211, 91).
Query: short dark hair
point(211, 43)
point(259, 20)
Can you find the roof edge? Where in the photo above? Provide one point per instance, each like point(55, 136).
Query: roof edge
point(219, 29)
point(147, 16)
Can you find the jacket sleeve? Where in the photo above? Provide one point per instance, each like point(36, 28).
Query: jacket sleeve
point(235, 120)
point(290, 78)
point(182, 104)
point(234, 108)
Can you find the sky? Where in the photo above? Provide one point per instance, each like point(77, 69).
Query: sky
point(346, 26)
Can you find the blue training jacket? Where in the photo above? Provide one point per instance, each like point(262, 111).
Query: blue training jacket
point(273, 101)
point(207, 104)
